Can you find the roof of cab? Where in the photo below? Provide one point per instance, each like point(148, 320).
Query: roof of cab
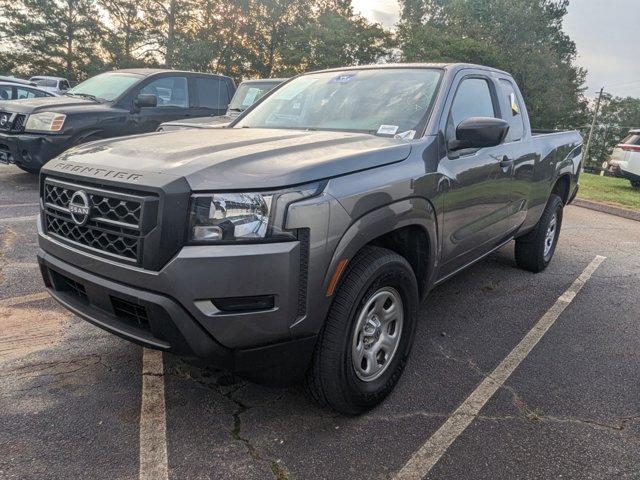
point(46, 77)
point(146, 72)
point(262, 80)
point(443, 66)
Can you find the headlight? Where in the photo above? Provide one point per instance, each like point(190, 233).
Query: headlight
point(45, 122)
point(231, 217)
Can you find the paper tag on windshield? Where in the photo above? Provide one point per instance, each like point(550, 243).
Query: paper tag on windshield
point(250, 98)
point(387, 129)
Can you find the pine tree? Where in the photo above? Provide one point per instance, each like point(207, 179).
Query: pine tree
point(56, 37)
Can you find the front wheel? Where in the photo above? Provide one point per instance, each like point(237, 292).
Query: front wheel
point(28, 169)
point(635, 183)
point(367, 337)
point(535, 250)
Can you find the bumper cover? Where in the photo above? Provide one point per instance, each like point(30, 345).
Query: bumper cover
point(633, 177)
point(32, 151)
point(160, 322)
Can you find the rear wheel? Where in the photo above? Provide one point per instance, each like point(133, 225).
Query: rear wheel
point(367, 337)
point(535, 250)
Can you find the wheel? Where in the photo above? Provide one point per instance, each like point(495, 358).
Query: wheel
point(635, 183)
point(28, 169)
point(535, 250)
point(367, 337)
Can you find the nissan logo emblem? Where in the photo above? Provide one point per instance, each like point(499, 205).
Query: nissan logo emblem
point(80, 207)
point(4, 119)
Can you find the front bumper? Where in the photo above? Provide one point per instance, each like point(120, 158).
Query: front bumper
point(175, 309)
point(32, 151)
point(632, 177)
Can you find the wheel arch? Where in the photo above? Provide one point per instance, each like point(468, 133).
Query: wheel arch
point(408, 227)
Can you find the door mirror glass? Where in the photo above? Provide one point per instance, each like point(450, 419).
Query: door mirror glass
point(146, 100)
point(479, 132)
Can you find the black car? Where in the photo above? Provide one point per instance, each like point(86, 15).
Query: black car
point(112, 104)
point(248, 93)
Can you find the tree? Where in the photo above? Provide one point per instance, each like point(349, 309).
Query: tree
point(126, 32)
point(57, 37)
point(523, 37)
point(336, 38)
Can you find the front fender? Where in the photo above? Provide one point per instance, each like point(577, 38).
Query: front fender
point(413, 211)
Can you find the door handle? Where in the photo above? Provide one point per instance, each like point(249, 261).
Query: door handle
point(506, 163)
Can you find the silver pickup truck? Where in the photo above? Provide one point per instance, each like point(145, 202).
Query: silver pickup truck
point(297, 243)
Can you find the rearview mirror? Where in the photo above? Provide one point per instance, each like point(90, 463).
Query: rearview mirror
point(146, 100)
point(479, 132)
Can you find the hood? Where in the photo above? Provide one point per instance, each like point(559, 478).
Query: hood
point(60, 104)
point(235, 158)
point(201, 122)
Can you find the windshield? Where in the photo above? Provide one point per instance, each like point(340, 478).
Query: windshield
point(107, 86)
point(44, 82)
point(382, 101)
point(248, 94)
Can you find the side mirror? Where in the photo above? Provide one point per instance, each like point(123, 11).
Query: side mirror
point(479, 132)
point(146, 100)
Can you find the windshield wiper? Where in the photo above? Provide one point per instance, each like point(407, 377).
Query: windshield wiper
point(83, 95)
point(236, 109)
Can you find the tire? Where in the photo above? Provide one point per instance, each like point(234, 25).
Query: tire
point(28, 169)
point(385, 278)
point(535, 250)
point(635, 183)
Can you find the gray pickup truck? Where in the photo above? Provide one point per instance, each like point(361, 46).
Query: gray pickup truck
point(297, 243)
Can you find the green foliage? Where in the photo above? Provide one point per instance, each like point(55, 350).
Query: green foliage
point(241, 38)
point(523, 37)
point(55, 37)
point(125, 35)
point(614, 191)
point(262, 38)
point(336, 38)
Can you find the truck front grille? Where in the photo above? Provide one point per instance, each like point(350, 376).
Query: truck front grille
point(90, 236)
point(12, 122)
point(114, 225)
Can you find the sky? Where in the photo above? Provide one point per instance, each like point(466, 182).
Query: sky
point(606, 33)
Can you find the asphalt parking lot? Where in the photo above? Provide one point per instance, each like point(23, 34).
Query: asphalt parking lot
point(71, 394)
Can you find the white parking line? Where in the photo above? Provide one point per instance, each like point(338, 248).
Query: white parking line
point(18, 219)
point(153, 420)
point(10, 302)
point(15, 205)
point(421, 463)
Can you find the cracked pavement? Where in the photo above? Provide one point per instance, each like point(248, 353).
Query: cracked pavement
point(70, 393)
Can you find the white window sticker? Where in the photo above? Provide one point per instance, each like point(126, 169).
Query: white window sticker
point(250, 97)
point(387, 129)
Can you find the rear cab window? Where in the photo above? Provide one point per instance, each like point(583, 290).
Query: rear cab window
point(632, 139)
point(513, 111)
point(211, 93)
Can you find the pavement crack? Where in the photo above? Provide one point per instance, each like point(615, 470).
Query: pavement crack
point(279, 472)
point(621, 425)
point(225, 386)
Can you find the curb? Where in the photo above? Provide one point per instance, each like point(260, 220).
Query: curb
point(610, 209)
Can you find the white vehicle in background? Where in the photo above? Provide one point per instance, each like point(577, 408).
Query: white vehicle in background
point(56, 85)
point(625, 159)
